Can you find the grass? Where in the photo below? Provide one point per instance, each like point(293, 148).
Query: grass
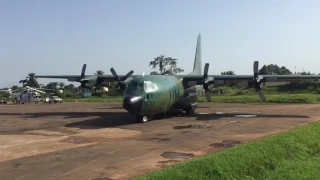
point(95, 99)
point(298, 93)
point(293, 154)
point(254, 98)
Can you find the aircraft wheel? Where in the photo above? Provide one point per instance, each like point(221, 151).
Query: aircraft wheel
point(141, 119)
point(189, 110)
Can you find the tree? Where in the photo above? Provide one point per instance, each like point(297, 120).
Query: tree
point(14, 87)
point(52, 85)
point(284, 71)
point(70, 87)
point(61, 85)
point(30, 81)
point(274, 69)
point(166, 65)
point(228, 73)
point(99, 72)
point(306, 73)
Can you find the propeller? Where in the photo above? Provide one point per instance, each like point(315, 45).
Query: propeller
point(83, 80)
point(207, 82)
point(257, 80)
point(121, 81)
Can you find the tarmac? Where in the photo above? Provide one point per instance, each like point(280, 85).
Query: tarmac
point(94, 141)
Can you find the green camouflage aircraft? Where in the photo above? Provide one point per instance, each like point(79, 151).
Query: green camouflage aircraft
point(149, 95)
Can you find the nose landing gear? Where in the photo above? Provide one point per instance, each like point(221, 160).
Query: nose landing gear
point(142, 119)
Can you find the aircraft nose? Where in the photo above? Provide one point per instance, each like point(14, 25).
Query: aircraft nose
point(132, 104)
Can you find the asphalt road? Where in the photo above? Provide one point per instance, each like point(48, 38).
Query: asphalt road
point(92, 141)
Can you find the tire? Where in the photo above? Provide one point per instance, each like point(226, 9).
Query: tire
point(142, 119)
point(189, 110)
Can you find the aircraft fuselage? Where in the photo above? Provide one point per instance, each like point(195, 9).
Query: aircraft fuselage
point(151, 95)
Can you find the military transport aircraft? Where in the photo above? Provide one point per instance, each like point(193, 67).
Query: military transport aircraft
point(149, 95)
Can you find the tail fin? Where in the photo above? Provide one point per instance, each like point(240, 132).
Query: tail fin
point(197, 67)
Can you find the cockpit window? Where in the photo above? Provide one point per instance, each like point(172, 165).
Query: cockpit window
point(140, 87)
point(132, 88)
point(149, 86)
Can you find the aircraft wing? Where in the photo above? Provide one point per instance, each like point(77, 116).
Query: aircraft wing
point(221, 79)
point(76, 78)
point(265, 78)
point(71, 77)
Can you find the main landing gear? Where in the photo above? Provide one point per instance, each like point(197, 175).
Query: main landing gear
point(189, 111)
point(141, 119)
point(191, 108)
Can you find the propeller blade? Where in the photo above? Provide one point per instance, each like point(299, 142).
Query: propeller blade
point(208, 97)
point(261, 95)
point(207, 92)
point(206, 69)
point(121, 82)
point(257, 80)
point(127, 75)
point(255, 69)
point(84, 67)
point(206, 82)
point(82, 90)
point(114, 73)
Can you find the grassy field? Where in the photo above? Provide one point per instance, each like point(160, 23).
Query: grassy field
point(279, 98)
point(291, 93)
point(293, 154)
point(274, 98)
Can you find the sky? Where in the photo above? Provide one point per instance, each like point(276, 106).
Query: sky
point(57, 37)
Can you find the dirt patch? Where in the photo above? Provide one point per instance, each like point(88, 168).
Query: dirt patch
point(225, 144)
point(82, 139)
point(184, 132)
point(169, 161)
point(165, 164)
point(47, 132)
point(161, 134)
point(191, 126)
point(41, 141)
point(176, 155)
point(156, 139)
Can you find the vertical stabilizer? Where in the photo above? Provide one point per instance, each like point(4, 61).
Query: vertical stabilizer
point(197, 68)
